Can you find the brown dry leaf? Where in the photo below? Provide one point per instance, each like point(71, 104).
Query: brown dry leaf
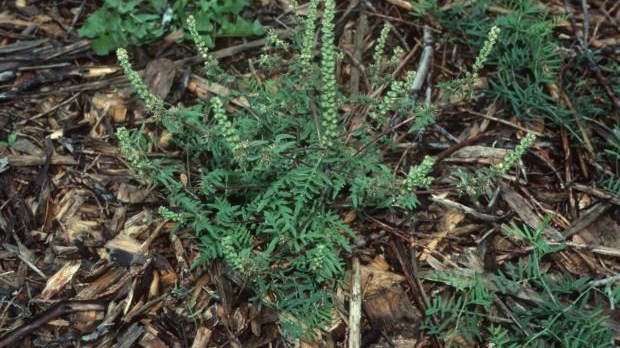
point(75, 227)
point(238, 320)
point(405, 5)
point(150, 340)
point(203, 88)
point(306, 344)
point(57, 282)
point(375, 278)
point(604, 231)
point(605, 42)
point(184, 179)
point(159, 76)
point(154, 288)
point(174, 36)
point(203, 337)
point(83, 320)
point(99, 71)
point(164, 139)
point(349, 217)
point(450, 219)
point(131, 194)
point(391, 311)
point(168, 277)
point(379, 263)
point(375, 281)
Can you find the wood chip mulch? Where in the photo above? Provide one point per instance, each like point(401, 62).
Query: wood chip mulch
point(85, 260)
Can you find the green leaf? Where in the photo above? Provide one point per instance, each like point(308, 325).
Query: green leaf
point(204, 22)
point(158, 5)
point(96, 24)
point(104, 44)
point(125, 7)
point(240, 28)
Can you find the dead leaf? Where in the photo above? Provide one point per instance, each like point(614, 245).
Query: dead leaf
point(449, 220)
point(159, 76)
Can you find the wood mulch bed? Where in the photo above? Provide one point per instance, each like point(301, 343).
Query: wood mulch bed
point(86, 260)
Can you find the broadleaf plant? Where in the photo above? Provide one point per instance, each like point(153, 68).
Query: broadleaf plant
point(120, 23)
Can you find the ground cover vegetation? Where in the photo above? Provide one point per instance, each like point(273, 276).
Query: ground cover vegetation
point(269, 167)
point(136, 22)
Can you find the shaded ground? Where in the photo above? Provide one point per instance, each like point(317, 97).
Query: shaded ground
point(86, 260)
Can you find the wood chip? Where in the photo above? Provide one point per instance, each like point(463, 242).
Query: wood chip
point(526, 213)
point(32, 160)
point(60, 279)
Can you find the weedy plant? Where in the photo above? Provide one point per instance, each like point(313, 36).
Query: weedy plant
point(10, 140)
point(548, 310)
point(525, 60)
point(524, 74)
point(474, 185)
point(119, 23)
point(269, 167)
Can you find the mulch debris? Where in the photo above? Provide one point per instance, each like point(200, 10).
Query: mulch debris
point(85, 259)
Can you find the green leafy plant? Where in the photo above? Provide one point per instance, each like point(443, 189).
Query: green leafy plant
point(271, 169)
point(475, 184)
point(548, 310)
point(597, 112)
point(525, 60)
point(119, 23)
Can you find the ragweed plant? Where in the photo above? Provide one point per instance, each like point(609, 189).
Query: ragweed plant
point(474, 184)
point(308, 35)
point(329, 121)
point(153, 103)
point(379, 51)
point(266, 183)
point(465, 85)
point(525, 60)
point(269, 179)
